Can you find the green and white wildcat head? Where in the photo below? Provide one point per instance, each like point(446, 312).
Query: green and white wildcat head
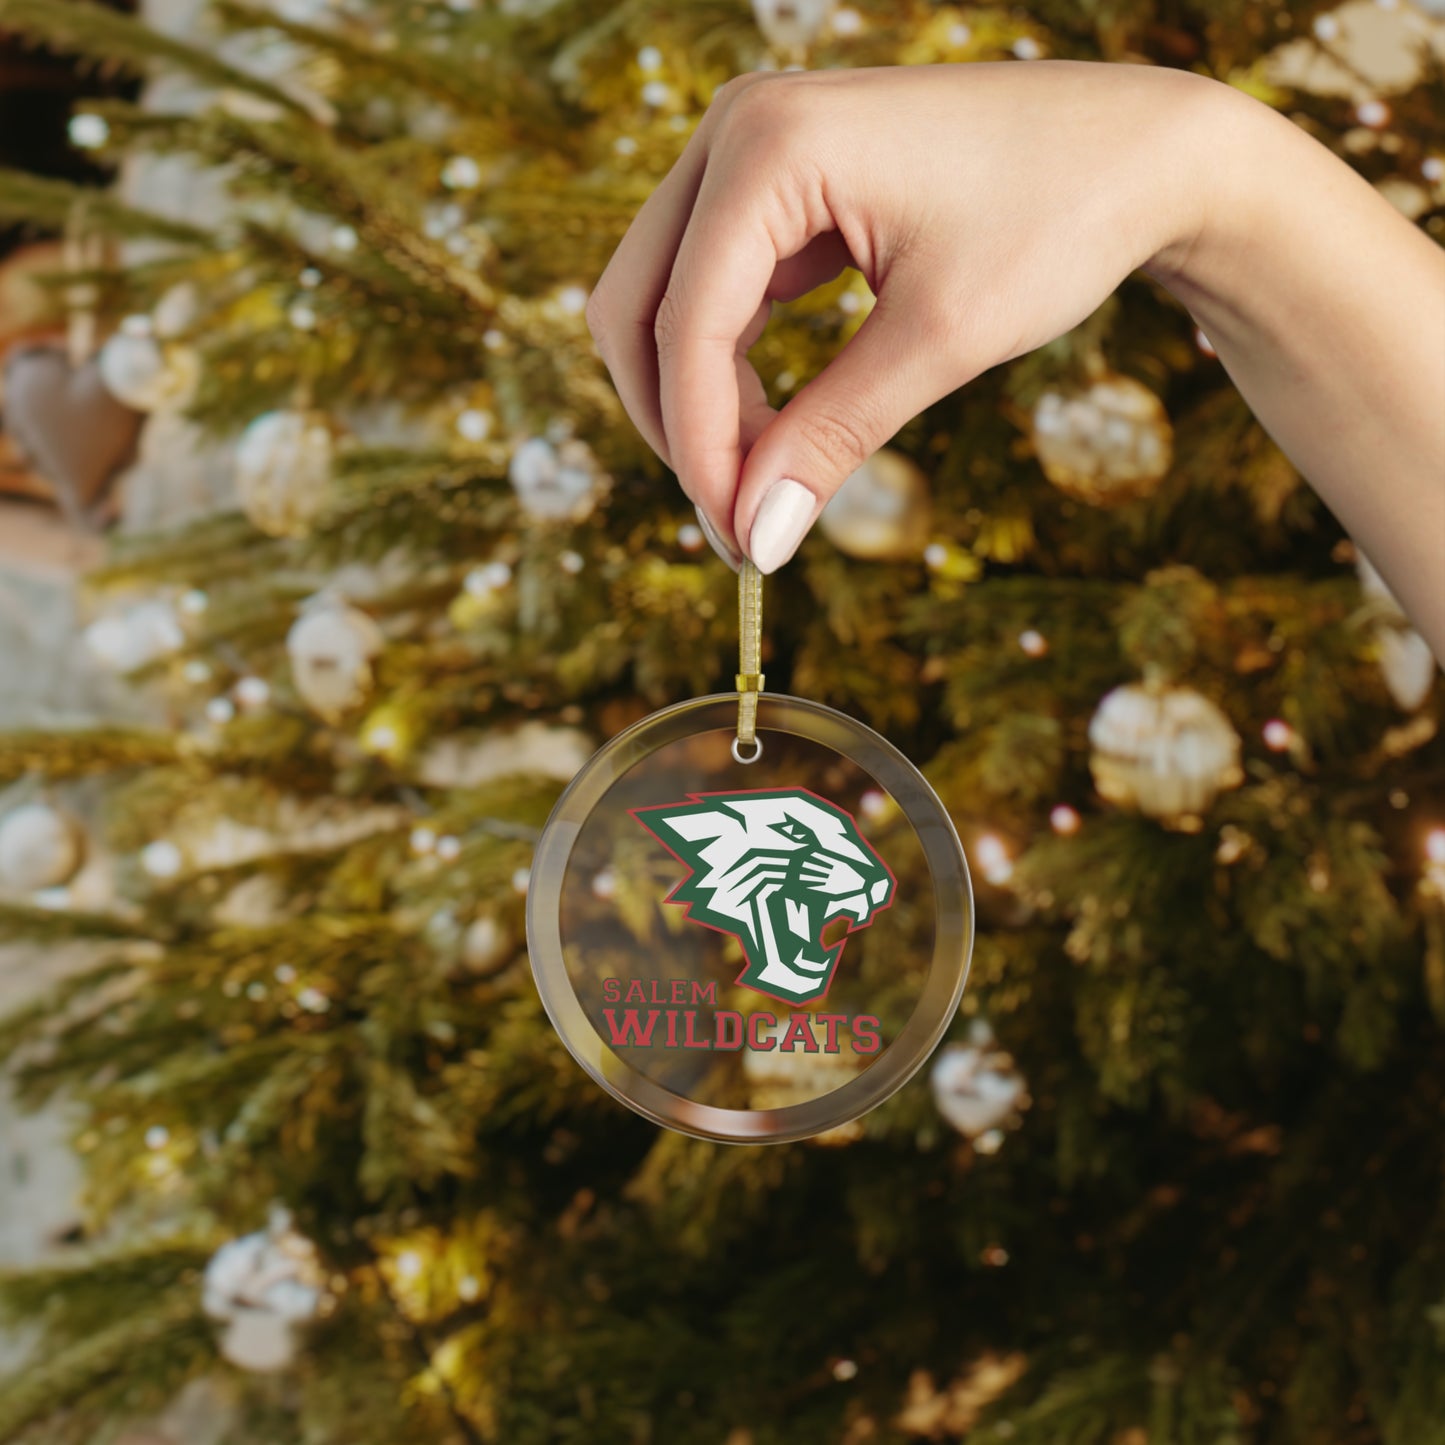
point(773, 868)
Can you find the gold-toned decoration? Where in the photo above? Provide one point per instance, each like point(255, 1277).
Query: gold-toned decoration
point(1109, 443)
point(883, 511)
point(1165, 751)
point(141, 371)
point(953, 1411)
point(331, 647)
point(283, 470)
point(487, 945)
point(40, 847)
point(747, 748)
point(778, 1080)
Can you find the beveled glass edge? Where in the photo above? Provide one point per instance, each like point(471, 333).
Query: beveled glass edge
point(953, 936)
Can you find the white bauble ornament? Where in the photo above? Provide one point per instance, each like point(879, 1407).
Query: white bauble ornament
point(554, 482)
point(792, 24)
point(469, 760)
point(176, 311)
point(976, 1087)
point(1167, 751)
point(283, 470)
point(264, 1287)
point(331, 647)
point(1406, 661)
point(40, 847)
point(487, 945)
point(147, 374)
point(1110, 443)
point(882, 512)
point(1407, 664)
point(259, 1342)
point(136, 637)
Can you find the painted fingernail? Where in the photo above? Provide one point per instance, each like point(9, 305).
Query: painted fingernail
point(781, 524)
point(716, 542)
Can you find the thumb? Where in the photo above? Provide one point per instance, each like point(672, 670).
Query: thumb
point(902, 359)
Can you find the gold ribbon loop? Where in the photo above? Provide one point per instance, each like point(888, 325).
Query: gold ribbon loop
point(750, 660)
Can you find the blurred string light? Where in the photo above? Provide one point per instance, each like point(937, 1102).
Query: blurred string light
point(993, 859)
point(1064, 820)
point(474, 424)
point(1278, 735)
point(252, 692)
point(1435, 860)
point(88, 132)
point(161, 859)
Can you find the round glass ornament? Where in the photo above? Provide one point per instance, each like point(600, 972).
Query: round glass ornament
point(749, 941)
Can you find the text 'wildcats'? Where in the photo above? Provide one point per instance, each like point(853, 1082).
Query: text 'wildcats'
point(683, 1014)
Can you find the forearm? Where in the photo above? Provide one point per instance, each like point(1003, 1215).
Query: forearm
point(1327, 309)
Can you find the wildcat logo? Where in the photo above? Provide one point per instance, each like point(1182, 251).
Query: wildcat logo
point(773, 868)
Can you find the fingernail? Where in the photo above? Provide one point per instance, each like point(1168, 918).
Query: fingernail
point(716, 542)
point(781, 524)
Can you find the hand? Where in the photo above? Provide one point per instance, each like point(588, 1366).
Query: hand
point(989, 207)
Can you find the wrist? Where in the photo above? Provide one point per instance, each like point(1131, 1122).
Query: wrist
point(1223, 142)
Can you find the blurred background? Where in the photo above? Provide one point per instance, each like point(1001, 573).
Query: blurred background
point(328, 555)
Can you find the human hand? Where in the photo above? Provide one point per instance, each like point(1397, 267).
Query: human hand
point(990, 207)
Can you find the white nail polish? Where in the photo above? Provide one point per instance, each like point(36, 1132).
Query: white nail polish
point(781, 523)
point(716, 542)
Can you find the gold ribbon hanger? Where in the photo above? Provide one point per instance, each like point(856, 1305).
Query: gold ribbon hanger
point(750, 660)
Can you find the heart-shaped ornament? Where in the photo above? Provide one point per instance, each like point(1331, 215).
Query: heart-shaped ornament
point(65, 421)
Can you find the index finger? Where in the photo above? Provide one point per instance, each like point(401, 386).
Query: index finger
point(622, 309)
point(733, 243)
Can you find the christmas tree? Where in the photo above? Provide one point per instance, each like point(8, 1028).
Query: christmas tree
point(1176, 1176)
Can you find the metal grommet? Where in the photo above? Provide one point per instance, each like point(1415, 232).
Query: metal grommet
point(757, 751)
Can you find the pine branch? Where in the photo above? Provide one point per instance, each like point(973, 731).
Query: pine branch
point(128, 1366)
point(424, 1351)
point(52, 204)
point(506, 92)
point(122, 42)
point(59, 754)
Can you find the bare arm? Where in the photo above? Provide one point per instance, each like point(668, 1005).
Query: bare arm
point(1327, 308)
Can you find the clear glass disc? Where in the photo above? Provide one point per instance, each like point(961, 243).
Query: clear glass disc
point(750, 951)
